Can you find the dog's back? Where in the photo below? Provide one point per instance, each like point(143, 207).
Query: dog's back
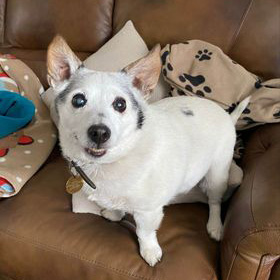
point(200, 120)
point(205, 135)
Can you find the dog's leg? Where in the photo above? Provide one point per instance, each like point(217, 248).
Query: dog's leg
point(112, 215)
point(217, 179)
point(146, 225)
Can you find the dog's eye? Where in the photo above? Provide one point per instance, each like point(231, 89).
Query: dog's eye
point(119, 104)
point(79, 100)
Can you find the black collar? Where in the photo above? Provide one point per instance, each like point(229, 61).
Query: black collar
point(83, 175)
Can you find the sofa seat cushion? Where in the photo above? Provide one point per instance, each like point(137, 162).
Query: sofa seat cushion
point(40, 238)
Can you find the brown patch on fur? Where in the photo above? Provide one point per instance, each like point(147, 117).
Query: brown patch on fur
point(137, 83)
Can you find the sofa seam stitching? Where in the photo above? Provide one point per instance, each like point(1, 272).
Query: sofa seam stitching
point(253, 181)
point(251, 194)
point(248, 233)
point(232, 263)
point(112, 17)
point(73, 255)
point(252, 230)
point(261, 140)
point(238, 29)
point(265, 263)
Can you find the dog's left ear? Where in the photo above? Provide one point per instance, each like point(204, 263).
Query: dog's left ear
point(146, 71)
point(61, 61)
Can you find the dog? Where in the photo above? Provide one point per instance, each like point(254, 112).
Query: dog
point(141, 157)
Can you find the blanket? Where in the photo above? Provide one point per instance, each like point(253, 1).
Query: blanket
point(198, 68)
point(23, 152)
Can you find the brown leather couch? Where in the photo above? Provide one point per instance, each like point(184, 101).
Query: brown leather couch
point(39, 236)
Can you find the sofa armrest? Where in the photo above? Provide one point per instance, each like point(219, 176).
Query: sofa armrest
point(251, 243)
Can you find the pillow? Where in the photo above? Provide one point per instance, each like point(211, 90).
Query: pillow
point(125, 47)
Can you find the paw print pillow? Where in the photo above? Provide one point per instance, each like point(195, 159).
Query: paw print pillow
point(198, 68)
point(23, 152)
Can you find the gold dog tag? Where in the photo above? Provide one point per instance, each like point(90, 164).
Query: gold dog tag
point(74, 184)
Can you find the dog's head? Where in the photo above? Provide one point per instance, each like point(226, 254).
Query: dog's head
point(100, 114)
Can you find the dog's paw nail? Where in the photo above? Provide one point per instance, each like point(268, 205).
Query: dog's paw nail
point(215, 230)
point(112, 215)
point(152, 255)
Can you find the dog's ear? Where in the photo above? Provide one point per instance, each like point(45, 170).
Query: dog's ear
point(146, 71)
point(61, 61)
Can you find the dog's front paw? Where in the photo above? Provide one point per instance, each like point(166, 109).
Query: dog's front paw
point(112, 215)
point(215, 229)
point(152, 255)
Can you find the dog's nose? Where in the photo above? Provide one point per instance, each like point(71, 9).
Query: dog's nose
point(99, 134)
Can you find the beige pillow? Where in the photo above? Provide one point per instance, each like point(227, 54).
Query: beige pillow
point(125, 47)
point(122, 49)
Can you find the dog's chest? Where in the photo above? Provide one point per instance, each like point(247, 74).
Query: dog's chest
point(110, 201)
point(112, 192)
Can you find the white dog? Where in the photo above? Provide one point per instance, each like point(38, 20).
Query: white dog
point(141, 157)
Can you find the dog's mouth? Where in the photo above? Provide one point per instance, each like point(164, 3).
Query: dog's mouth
point(95, 152)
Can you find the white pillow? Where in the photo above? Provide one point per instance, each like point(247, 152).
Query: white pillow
point(122, 49)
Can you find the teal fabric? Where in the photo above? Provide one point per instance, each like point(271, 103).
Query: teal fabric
point(16, 112)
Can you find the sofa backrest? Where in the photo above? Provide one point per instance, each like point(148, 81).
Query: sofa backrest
point(247, 30)
point(28, 26)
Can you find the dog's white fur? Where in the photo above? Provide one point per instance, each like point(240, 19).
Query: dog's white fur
point(182, 142)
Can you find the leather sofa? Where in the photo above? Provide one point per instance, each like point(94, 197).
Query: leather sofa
point(40, 238)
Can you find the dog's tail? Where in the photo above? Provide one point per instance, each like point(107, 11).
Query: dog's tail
point(239, 109)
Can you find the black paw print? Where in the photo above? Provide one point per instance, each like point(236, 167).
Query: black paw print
point(249, 120)
point(180, 92)
point(277, 115)
point(231, 108)
point(246, 111)
point(167, 65)
point(170, 91)
point(195, 81)
point(203, 55)
point(258, 83)
point(164, 56)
